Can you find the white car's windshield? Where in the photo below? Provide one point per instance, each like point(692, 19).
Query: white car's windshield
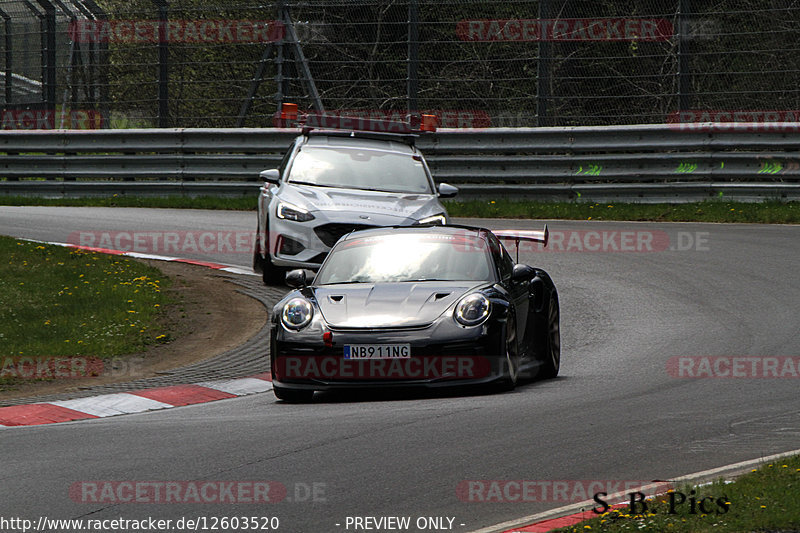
point(360, 169)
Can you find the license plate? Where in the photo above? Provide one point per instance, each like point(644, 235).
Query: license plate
point(377, 351)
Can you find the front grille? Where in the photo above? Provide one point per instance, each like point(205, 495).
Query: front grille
point(330, 233)
point(382, 329)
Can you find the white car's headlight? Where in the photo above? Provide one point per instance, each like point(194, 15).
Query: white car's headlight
point(435, 219)
point(472, 310)
point(297, 313)
point(289, 211)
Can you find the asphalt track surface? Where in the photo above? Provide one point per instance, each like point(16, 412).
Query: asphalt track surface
point(614, 413)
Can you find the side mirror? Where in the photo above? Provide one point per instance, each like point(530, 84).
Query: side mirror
point(522, 273)
point(296, 279)
point(446, 190)
point(272, 175)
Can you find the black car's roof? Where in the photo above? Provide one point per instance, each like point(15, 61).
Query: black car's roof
point(477, 232)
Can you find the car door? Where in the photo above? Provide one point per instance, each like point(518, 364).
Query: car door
point(517, 291)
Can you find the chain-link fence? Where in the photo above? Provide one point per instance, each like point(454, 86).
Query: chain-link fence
point(474, 63)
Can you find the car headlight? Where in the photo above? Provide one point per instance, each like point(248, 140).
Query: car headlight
point(472, 310)
point(297, 313)
point(440, 219)
point(289, 211)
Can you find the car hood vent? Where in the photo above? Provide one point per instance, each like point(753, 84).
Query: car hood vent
point(389, 305)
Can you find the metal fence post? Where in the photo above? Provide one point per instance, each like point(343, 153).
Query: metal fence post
point(163, 64)
point(543, 72)
point(413, 57)
point(99, 73)
point(684, 72)
point(8, 56)
point(48, 54)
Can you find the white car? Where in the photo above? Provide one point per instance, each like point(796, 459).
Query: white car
point(333, 182)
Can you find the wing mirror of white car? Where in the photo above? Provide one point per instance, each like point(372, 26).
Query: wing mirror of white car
point(272, 175)
point(446, 190)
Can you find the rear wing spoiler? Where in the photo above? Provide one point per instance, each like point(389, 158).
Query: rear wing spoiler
point(517, 235)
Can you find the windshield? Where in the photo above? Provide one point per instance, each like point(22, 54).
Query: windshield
point(407, 257)
point(360, 168)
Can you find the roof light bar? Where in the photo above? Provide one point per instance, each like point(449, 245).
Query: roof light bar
point(289, 117)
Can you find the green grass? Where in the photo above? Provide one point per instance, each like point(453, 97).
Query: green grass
point(769, 212)
point(766, 499)
point(59, 302)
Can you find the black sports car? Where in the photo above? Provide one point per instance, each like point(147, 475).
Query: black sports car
point(429, 306)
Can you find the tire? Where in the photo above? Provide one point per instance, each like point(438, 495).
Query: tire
point(293, 395)
point(551, 354)
point(510, 349)
point(270, 274)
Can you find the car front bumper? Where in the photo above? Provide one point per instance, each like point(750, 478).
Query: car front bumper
point(457, 357)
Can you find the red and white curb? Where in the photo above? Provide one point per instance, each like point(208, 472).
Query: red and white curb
point(142, 400)
point(138, 401)
point(582, 511)
point(137, 255)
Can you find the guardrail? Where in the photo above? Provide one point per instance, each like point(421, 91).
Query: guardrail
point(669, 161)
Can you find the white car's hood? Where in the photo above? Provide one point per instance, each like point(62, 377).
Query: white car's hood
point(400, 205)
